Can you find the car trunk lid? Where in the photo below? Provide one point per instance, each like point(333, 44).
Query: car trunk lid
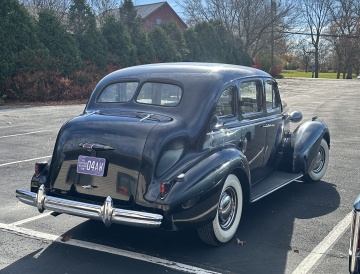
point(99, 155)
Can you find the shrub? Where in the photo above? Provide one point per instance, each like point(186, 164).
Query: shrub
point(275, 71)
point(257, 64)
point(36, 86)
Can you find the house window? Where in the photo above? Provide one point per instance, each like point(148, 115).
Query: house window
point(158, 21)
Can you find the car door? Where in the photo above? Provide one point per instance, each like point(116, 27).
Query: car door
point(274, 122)
point(253, 124)
point(225, 126)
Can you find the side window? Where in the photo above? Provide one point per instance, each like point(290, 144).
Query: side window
point(118, 92)
point(159, 94)
point(225, 107)
point(250, 99)
point(272, 100)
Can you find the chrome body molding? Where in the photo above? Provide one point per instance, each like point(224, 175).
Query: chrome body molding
point(105, 213)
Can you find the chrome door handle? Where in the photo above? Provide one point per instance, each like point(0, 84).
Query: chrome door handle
point(268, 125)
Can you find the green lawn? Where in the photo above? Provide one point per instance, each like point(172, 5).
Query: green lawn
point(303, 74)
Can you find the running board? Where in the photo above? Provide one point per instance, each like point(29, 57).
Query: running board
point(276, 180)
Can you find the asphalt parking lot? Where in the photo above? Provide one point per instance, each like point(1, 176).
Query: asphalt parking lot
point(302, 228)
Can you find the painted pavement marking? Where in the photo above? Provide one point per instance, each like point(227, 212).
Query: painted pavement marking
point(102, 248)
point(321, 249)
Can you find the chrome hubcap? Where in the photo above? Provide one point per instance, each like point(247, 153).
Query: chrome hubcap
point(227, 208)
point(319, 161)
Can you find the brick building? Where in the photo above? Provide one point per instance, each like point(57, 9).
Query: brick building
point(158, 13)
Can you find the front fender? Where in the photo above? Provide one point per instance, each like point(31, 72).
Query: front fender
point(305, 142)
point(193, 201)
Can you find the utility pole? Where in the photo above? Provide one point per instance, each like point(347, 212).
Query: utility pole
point(273, 11)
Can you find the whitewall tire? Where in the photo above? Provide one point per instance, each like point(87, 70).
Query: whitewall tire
point(320, 164)
point(223, 228)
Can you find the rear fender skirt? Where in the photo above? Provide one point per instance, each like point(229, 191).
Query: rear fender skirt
point(305, 142)
point(193, 201)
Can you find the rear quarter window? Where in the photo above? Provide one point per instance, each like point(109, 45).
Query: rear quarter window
point(160, 94)
point(118, 92)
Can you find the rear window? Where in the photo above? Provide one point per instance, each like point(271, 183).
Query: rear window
point(159, 94)
point(118, 92)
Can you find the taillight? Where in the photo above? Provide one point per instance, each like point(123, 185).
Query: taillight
point(164, 189)
point(39, 168)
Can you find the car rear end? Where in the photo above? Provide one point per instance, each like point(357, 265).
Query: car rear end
point(95, 171)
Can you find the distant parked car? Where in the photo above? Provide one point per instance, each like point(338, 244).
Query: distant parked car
point(354, 250)
point(178, 146)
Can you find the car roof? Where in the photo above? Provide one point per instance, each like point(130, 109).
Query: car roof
point(173, 70)
point(203, 83)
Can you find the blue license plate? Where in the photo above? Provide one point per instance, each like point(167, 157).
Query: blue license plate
point(91, 165)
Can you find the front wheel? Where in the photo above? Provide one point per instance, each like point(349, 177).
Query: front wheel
point(320, 164)
point(226, 222)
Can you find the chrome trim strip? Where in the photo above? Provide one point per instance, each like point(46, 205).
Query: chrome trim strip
point(105, 213)
point(354, 251)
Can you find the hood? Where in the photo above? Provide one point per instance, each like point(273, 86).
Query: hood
point(100, 154)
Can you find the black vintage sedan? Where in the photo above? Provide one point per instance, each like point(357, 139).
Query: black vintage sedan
point(178, 146)
point(354, 250)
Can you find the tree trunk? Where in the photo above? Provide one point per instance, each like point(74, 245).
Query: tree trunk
point(316, 61)
point(349, 73)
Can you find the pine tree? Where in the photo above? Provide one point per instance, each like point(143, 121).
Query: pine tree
point(64, 53)
point(20, 49)
point(91, 42)
point(120, 49)
point(176, 36)
point(163, 46)
point(143, 50)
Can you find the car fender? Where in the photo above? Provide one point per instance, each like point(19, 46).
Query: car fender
point(193, 201)
point(305, 142)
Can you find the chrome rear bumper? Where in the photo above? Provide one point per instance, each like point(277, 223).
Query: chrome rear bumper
point(106, 213)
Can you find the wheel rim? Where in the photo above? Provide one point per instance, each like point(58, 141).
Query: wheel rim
point(320, 160)
point(227, 208)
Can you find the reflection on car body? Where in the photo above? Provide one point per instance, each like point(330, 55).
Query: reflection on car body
point(180, 146)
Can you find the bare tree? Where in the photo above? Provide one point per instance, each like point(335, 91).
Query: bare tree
point(101, 6)
point(345, 28)
point(60, 8)
point(104, 8)
point(250, 20)
point(305, 53)
point(317, 15)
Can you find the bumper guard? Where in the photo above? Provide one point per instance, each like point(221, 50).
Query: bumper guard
point(106, 213)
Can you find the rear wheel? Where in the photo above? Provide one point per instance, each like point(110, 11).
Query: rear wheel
point(320, 164)
point(223, 228)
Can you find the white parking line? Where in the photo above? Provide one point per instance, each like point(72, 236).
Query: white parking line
point(102, 248)
point(21, 134)
point(315, 255)
point(31, 219)
point(23, 161)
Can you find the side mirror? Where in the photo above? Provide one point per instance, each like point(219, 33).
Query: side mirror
point(295, 116)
